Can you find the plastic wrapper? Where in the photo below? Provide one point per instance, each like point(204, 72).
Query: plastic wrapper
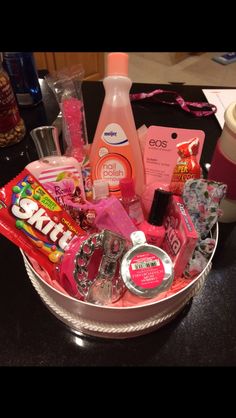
point(186, 167)
point(202, 198)
point(35, 222)
point(67, 87)
point(106, 213)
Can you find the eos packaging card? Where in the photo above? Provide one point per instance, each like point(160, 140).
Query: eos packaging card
point(161, 151)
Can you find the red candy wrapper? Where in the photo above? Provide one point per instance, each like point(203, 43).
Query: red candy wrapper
point(187, 166)
point(34, 221)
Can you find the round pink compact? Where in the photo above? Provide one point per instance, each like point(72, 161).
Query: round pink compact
point(145, 269)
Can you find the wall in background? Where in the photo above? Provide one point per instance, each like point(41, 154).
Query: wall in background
point(92, 62)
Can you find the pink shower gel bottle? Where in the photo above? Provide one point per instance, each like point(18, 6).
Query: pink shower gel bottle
point(60, 175)
point(115, 151)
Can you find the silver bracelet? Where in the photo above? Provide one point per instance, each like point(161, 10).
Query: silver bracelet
point(114, 246)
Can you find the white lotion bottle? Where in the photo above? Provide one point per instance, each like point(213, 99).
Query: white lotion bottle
point(59, 174)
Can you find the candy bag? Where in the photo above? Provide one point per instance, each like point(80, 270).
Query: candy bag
point(35, 222)
point(187, 166)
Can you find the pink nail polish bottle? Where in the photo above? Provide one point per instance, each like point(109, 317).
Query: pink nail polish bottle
point(153, 228)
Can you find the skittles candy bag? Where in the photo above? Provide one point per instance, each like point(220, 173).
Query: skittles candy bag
point(35, 222)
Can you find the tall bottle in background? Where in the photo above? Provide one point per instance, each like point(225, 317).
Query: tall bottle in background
point(223, 164)
point(24, 77)
point(12, 127)
point(115, 151)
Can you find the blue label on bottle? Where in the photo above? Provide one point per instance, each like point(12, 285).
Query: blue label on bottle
point(114, 135)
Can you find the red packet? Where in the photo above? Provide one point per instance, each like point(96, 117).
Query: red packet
point(187, 166)
point(34, 221)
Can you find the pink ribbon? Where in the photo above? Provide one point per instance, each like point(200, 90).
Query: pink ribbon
point(178, 100)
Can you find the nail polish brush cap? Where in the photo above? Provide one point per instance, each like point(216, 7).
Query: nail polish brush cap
point(159, 205)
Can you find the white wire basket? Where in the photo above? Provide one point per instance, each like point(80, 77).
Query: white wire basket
point(115, 322)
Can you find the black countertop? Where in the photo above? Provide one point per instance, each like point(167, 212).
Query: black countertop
point(203, 334)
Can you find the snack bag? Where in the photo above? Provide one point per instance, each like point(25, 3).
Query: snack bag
point(35, 222)
point(187, 166)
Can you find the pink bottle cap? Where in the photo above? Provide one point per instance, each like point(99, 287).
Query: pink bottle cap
point(127, 188)
point(117, 64)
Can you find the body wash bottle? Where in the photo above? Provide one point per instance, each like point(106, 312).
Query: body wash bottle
point(115, 151)
point(153, 228)
point(60, 175)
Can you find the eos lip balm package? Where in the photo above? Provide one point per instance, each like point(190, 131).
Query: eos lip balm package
point(164, 147)
point(145, 269)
